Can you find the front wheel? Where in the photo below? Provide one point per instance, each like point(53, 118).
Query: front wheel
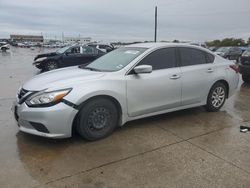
point(97, 119)
point(51, 65)
point(216, 97)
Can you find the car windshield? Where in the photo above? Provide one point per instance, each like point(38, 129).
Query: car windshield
point(115, 60)
point(62, 50)
point(223, 49)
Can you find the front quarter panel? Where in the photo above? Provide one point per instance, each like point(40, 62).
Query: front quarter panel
point(114, 87)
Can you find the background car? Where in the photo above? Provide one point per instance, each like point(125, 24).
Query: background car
point(4, 46)
point(243, 48)
point(103, 47)
point(213, 48)
point(67, 56)
point(245, 65)
point(231, 53)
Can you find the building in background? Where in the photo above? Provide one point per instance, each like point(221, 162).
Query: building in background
point(82, 40)
point(26, 38)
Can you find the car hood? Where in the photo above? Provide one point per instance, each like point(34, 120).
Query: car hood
point(61, 78)
point(45, 55)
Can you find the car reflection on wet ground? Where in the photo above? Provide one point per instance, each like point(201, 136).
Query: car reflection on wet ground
point(188, 148)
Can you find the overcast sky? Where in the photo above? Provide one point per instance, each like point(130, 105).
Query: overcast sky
point(127, 20)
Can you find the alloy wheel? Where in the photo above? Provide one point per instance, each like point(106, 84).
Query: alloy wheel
point(51, 65)
point(218, 97)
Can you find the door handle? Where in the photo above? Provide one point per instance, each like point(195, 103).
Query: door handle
point(175, 76)
point(210, 70)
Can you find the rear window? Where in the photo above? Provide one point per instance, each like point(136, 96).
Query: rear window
point(191, 56)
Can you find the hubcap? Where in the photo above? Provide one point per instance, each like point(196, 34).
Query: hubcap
point(218, 97)
point(51, 65)
point(98, 118)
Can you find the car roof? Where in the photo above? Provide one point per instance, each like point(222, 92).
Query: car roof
point(98, 44)
point(162, 44)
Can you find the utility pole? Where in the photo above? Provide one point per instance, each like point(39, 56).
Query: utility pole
point(63, 37)
point(155, 23)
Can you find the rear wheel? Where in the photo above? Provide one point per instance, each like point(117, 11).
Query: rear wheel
point(97, 119)
point(246, 78)
point(216, 97)
point(51, 65)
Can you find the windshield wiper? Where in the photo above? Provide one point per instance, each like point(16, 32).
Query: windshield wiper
point(89, 68)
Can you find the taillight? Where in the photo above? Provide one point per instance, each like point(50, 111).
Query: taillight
point(235, 68)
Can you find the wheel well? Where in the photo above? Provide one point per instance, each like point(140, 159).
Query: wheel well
point(52, 60)
point(112, 99)
point(225, 84)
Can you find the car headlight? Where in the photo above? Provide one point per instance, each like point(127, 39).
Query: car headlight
point(45, 99)
point(40, 59)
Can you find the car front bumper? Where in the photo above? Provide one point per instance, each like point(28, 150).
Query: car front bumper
point(53, 122)
point(38, 65)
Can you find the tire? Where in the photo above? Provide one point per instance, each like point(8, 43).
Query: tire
point(4, 49)
point(51, 65)
point(246, 78)
point(97, 119)
point(216, 97)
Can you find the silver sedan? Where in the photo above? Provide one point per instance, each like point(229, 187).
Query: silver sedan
point(129, 83)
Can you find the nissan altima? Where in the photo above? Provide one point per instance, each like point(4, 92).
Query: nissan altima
point(128, 83)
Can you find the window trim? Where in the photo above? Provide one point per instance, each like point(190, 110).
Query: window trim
point(130, 71)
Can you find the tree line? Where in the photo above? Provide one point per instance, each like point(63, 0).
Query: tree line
point(228, 42)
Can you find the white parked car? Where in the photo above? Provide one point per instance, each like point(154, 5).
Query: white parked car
point(129, 83)
point(4, 46)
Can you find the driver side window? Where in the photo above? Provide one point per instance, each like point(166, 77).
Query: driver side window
point(74, 50)
point(88, 50)
point(160, 59)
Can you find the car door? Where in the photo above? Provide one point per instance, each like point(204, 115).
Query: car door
point(158, 90)
point(197, 75)
point(88, 54)
point(72, 56)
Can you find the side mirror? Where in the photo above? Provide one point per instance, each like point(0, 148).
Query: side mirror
point(142, 69)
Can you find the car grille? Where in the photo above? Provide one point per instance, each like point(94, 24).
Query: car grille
point(22, 93)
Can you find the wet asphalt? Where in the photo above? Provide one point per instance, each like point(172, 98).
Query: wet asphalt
point(188, 148)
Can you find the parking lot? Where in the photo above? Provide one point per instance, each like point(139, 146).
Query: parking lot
point(189, 148)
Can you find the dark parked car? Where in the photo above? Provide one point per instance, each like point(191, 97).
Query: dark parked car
point(232, 53)
point(245, 65)
point(67, 56)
